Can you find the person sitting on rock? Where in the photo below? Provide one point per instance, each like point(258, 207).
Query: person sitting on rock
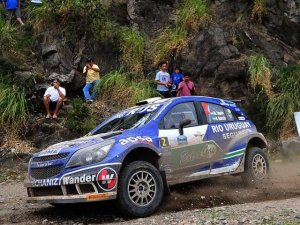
point(13, 7)
point(186, 87)
point(54, 98)
point(91, 71)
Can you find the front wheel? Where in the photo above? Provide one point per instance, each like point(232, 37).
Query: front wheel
point(256, 166)
point(140, 189)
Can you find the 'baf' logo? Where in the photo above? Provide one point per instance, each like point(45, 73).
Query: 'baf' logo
point(107, 179)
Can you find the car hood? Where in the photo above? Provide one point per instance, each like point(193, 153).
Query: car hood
point(76, 144)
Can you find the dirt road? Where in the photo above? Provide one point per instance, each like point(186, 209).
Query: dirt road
point(211, 201)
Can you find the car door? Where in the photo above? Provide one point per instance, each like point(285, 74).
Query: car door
point(183, 154)
point(226, 132)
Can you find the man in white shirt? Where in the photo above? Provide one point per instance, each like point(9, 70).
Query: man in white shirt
point(54, 98)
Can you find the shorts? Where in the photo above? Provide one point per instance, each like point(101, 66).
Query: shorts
point(52, 105)
point(17, 12)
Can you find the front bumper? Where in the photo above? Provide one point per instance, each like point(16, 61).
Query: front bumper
point(95, 183)
point(73, 198)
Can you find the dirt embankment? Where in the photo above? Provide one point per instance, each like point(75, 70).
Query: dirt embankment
point(210, 201)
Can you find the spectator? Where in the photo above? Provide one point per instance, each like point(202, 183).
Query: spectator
point(53, 99)
point(176, 78)
point(186, 87)
point(163, 81)
point(13, 7)
point(92, 73)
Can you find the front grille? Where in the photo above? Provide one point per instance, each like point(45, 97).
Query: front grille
point(45, 172)
point(86, 188)
point(46, 191)
point(71, 189)
point(50, 157)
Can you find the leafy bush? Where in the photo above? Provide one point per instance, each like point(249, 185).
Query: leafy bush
point(79, 117)
point(132, 47)
point(124, 92)
point(169, 42)
point(260, 74)
point(193, 14)
point(13, 108)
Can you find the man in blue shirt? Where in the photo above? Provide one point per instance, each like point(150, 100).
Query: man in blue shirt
point(176, 78)
point(13, 7)
point(163, 81)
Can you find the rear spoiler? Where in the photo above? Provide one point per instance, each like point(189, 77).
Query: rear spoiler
point(239, 102)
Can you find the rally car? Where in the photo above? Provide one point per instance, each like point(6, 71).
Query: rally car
point(136, 154)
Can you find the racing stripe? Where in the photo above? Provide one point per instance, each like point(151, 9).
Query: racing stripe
point(234, 153)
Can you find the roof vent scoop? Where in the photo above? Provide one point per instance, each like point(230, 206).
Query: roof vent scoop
point(148, 100)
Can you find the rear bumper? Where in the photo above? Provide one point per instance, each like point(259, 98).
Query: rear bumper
point(73, 198)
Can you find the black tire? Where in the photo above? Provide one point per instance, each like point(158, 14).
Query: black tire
point(256, 167)
point(145, 177)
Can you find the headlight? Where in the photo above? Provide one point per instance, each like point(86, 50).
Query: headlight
point(91, 154)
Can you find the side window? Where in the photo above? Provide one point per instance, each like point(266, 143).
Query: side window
point(178, 113)
point(214, 113)
point(229, 114)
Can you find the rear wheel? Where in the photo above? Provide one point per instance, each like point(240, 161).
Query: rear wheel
point(140, 189)
point(256, 166)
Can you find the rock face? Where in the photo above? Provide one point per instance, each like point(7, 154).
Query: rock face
point(216, 56)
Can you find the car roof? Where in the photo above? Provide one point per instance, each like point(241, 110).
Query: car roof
point(226, 103)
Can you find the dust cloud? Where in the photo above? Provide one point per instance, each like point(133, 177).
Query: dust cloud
point(283, 182)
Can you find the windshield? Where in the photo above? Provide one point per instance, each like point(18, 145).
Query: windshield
point(129, 119)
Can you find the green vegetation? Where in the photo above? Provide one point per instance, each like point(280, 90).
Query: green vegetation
point(278, 101)
point(193, 14)
point(167, 44)
point(281, 107)
point(13, 108)
point(132, 47)
point(260, 73)
point(73, 19)
point(79, 117)
point(125, 92)
point(9, 52)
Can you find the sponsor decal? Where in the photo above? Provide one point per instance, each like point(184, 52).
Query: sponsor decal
point(48, 152)
point(141, 110)
point(131, 140)
point(46, 182)
point(107, 179)
point(42, 164)
point(81, 179)
point(231, 129)
point(95, 197)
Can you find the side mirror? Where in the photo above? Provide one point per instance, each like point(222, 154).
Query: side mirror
point(182, 124)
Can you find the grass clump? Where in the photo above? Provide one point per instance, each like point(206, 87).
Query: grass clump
point(259, 6)
point(282, 106)
point(13, 108)
point(168, 43)
point(260, 74)
point(9, 42)
point(79, 117)
point(124, 92)
point(193, 14)
point(132, 47)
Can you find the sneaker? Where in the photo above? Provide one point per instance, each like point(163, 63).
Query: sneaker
point(89, 101)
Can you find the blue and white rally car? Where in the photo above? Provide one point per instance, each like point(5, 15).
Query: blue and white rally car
point(136, 154)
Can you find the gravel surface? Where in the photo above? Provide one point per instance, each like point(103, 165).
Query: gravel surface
point(223, 200)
